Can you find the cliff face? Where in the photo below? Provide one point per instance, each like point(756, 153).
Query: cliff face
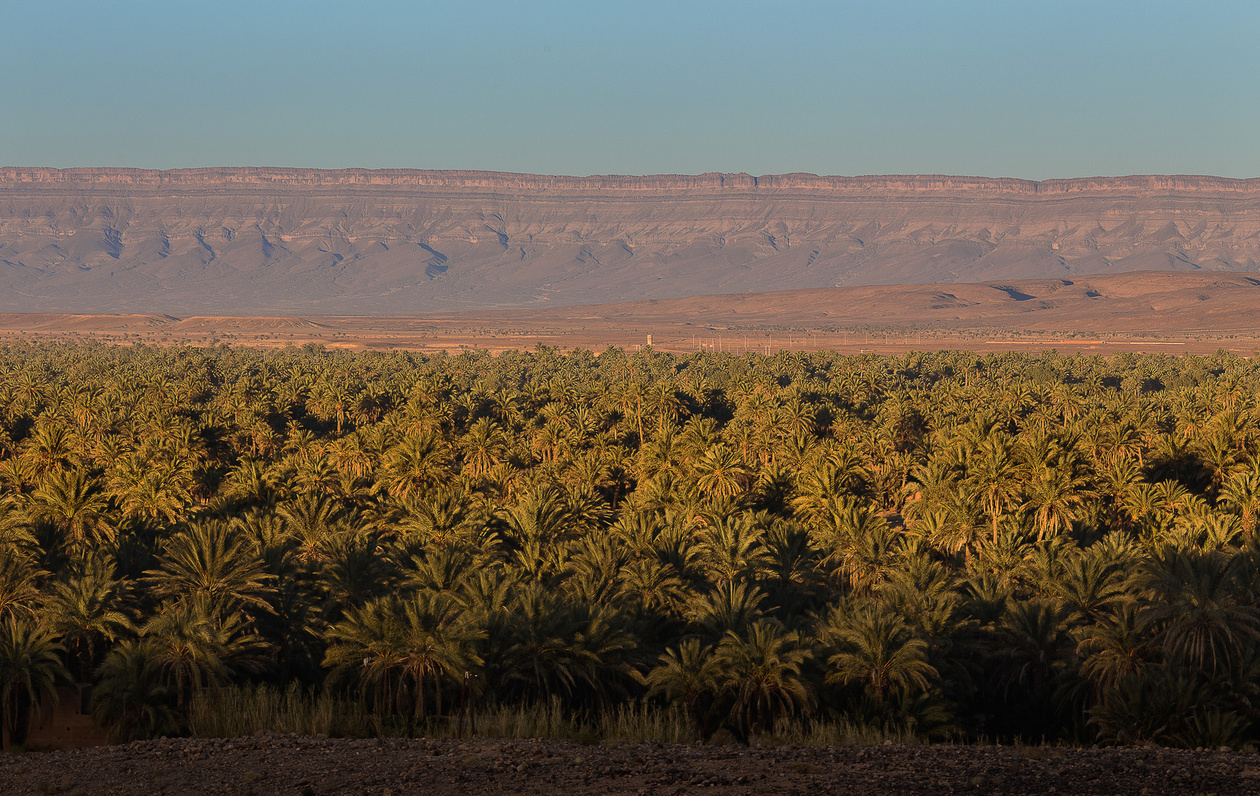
point(253, 240)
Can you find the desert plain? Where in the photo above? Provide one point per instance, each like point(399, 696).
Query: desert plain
point(1157, 312)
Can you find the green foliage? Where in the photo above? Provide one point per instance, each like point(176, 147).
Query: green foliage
point(130, 696)
point(30, 671)
point(635, 545)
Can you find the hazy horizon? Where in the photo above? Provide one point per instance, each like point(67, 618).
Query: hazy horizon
point(593, 175)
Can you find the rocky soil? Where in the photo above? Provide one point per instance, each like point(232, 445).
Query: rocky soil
point(301, 765)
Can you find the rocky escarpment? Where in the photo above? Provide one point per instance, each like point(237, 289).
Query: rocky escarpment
point(254, 240)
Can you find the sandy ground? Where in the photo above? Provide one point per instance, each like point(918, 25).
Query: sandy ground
point(713, 341)
point(1132, 312)
point(299, 765)
point(665, 334)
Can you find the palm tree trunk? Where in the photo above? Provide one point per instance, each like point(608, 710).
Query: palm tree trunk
point(21, 718)
point(420, 694)
point(638, 416)
point(437, 691)
point(85, 663)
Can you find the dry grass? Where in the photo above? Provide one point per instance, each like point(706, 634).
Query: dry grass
point(241, 711)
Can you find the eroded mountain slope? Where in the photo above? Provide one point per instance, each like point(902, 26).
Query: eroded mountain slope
point(248, 241)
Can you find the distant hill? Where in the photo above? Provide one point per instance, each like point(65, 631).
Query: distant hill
point(1137, 302)
point(1149, 303)
point(298, 241)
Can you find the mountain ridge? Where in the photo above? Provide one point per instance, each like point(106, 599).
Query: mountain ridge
point(350, 178)
point(261, 241)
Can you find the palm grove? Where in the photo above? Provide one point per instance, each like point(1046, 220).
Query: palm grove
point(949, 545)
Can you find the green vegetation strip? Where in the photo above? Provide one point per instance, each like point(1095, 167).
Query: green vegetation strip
point(632, 546)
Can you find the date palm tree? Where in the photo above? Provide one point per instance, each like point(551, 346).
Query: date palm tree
point(195, 649)
point(49, 448)
point(792, 567)
point(15, 530)
point(130, 696)
point(1036, 648)
point(73, 502)
point(1090, 586)
point(662, 401)
point(1115, 648)
point(995, 472)
point(485, 445)
point(687, 674)
point(365, 648)
point(421, 459)
point(1055, 495)
point(1241, 493)
point(733, 549)
point(1220, 456)
point(877, 650)
point(1197, 603)
point(356, 571)
point(333, 399)
point(656, 587)
point(441, 517)
point(211, 563)
point(312, 519)
point(593, 569)
point(730, 608)
point(436, 645)
point(19, 590)
point(762, 671)
point(540, 515)
point(578, 653)
point(88, 609)
point(30, 670)
point(835, 479)
point(720, 473)
point(857, 545)
point(158, 492)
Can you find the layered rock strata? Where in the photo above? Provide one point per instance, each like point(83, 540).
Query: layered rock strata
point(255, 240)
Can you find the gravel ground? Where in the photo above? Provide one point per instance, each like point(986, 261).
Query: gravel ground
point(302, 765)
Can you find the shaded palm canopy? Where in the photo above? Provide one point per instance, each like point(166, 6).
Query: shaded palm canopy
point(955, 545)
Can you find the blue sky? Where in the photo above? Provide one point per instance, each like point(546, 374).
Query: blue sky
point(1025, 89)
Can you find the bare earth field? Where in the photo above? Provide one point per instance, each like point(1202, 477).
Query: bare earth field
point(1164, 312)
point(301, 765)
